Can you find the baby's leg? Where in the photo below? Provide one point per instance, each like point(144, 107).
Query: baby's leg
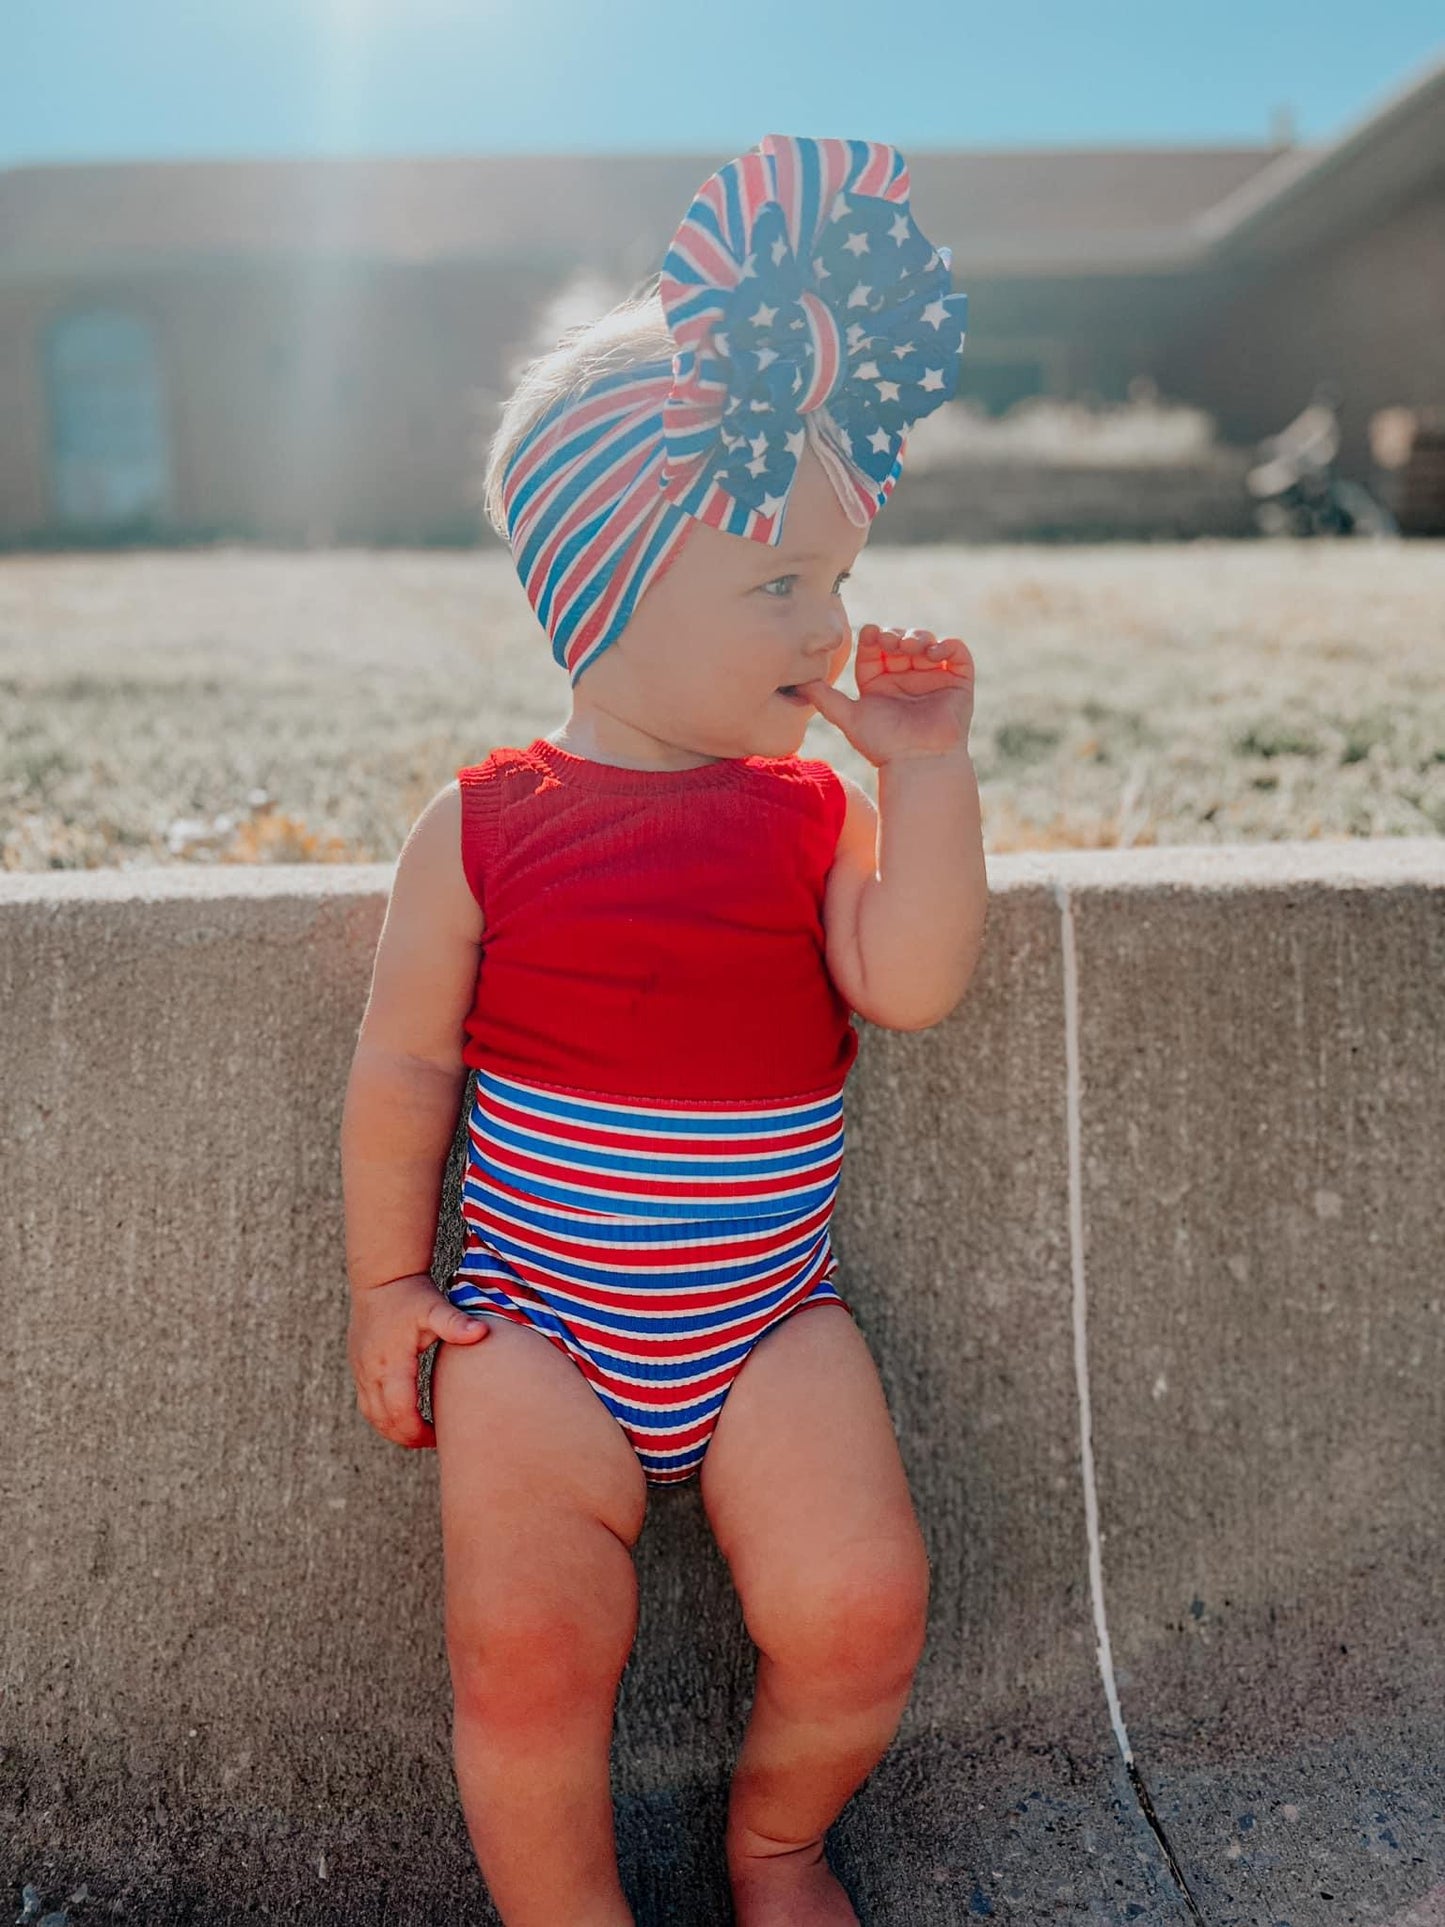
point(542, 1498)
point(807, 1497)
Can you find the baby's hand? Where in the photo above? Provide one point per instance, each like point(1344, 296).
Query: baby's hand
point(391, 1326)
point(915, 695)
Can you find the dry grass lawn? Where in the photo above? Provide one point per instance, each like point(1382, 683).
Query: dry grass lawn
point(243, 705)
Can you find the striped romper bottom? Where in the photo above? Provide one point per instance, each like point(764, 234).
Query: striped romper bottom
point(653, 1242)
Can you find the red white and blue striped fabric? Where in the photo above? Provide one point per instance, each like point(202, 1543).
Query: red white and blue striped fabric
point(808, 308)
point(654, 1243)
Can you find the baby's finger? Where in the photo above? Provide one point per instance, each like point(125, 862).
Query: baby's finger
point(889, 642)
point(913, 646)
point(375, 1401)
point(947, 651)
point(455, 1326)
point(401, 1418)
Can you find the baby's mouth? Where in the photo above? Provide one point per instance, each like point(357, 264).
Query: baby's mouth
point(791, 693)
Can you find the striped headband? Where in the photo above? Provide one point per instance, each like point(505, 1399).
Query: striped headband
point(806, 306)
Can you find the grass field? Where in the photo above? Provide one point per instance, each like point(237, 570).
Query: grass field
point(242, 705)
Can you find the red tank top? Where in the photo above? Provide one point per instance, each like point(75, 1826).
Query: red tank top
point(654, 933)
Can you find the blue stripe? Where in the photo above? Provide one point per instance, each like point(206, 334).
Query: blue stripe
point(805, 1163)
point(637, 1226)
point(810, 175)
point(858, 150)
point(636, 1117)
point(643, 1163)
point(649, 1207)
point(737, 234)
point(705, 298)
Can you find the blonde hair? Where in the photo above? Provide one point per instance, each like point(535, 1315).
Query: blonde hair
point(631, 333)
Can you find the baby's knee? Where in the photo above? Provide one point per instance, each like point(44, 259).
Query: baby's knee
point(863, 1623)
point(532, 1657)
point(537, 1669)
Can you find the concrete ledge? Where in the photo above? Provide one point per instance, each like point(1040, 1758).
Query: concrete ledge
point(1175, 1161)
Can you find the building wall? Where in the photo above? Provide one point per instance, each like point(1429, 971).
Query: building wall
point(24, 436)
point(321, 402)
point(1089, 335)
point(352, 403)
point(1366, 314)
point(304, 404)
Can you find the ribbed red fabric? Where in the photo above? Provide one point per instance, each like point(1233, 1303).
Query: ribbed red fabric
point(655, 933)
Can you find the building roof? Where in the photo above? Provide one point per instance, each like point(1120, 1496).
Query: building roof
point(1021, 212)
point(1017, 208)
point(1298, 201)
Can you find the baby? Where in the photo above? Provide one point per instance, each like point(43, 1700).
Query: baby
point(646, 934)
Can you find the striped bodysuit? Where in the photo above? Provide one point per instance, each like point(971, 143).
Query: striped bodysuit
point(656, 1131)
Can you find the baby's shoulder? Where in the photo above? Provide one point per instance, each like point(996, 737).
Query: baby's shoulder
point(809, 786)
point(431, 883)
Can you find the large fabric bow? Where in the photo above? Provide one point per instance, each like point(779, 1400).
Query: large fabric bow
point(807, 309)
point(798, 284)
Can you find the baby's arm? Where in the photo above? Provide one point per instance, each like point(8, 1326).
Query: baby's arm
point(907, 896)
point(403, 1099)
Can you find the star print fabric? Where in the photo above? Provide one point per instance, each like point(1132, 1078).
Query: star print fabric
point(798, 283)
point(808, 308)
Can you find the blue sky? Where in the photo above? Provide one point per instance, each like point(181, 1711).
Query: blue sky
point(152, 79)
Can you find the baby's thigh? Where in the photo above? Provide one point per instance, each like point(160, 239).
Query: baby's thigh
point(542, 1498)
point(805, 1490)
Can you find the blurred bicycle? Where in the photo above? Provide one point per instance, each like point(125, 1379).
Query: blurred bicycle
point(1296, 489)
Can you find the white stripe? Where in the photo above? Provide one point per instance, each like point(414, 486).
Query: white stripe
point(1081, 1346)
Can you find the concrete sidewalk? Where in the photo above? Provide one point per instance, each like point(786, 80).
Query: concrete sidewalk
point(1147, 1240)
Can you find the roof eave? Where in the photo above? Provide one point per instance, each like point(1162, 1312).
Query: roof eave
point(1307, 194)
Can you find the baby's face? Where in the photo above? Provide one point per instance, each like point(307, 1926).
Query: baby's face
point(708, 647)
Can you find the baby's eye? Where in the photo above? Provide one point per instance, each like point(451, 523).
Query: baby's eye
point(785, 582)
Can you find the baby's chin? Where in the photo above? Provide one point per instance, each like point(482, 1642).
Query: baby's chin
point(784, 728)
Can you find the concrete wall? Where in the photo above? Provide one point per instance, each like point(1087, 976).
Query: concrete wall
point(1174, 1164)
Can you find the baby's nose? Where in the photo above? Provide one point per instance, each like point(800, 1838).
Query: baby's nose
point(836, 628)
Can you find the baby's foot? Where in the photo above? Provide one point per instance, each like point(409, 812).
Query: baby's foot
point(788, 1890)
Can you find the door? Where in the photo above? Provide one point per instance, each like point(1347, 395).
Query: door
point(110, 445)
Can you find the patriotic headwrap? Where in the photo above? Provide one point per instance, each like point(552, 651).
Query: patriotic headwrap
point(806, 306)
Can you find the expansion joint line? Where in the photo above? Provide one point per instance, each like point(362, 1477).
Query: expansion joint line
point(1063, 899)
